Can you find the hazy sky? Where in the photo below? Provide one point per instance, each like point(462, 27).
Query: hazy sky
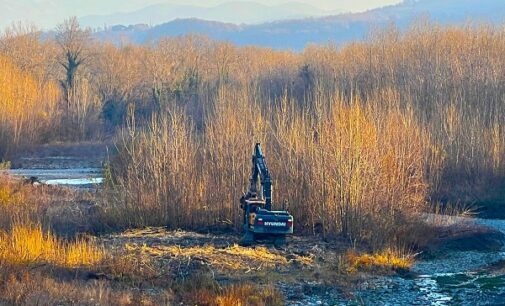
point(45, 13)
point(346, 5)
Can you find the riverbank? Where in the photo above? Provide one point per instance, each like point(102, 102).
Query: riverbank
point(61, 155)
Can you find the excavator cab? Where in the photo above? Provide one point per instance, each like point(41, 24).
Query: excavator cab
point(260, 221)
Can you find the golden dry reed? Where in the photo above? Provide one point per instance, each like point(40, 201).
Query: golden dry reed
point(386, 261)
point(29, 244)
point(27, 106)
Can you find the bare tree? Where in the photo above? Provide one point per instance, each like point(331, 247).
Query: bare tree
point(73, 41)
point(76, 53)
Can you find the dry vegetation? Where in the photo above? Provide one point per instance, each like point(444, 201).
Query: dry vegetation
point(360, 139)
point(28, 244)
point(37, 266)
point(245, 294)
point(387, 260)
point(187, 247)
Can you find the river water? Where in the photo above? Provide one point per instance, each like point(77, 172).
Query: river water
point(60, 170)
point(458, 278)
point(72, 176)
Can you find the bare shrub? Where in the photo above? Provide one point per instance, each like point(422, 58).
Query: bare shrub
point(354, 170)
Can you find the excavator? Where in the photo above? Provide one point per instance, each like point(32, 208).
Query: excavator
point(260, 221)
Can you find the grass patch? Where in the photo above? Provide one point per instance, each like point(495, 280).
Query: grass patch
point(388, 260)
point(28, 243)
point(459, 209)
point(11, 192)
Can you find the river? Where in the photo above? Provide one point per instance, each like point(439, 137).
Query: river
point(72, 171)
point(77, 177)
point(458, 278)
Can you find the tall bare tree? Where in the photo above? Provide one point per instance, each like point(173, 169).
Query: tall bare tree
point(81, 106)
point(73, 41)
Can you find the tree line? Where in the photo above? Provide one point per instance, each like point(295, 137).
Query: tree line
point(360, 138)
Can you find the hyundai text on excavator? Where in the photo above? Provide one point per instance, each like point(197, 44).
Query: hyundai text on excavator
point(260, 221)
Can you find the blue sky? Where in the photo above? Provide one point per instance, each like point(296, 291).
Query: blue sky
point(46, 13)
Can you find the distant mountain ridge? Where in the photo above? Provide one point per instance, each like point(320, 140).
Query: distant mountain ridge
point(48, 13)
point(248, 12)
point(297, 33)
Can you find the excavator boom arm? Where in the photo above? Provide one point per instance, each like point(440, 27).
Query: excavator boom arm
point(260, 172)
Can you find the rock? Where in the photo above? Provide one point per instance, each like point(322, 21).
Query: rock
point(32, 180)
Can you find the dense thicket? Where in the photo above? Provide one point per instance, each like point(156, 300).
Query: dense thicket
point(28, 106)
point(359, 138)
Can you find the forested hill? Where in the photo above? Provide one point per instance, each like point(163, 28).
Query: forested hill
point(297, 33)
